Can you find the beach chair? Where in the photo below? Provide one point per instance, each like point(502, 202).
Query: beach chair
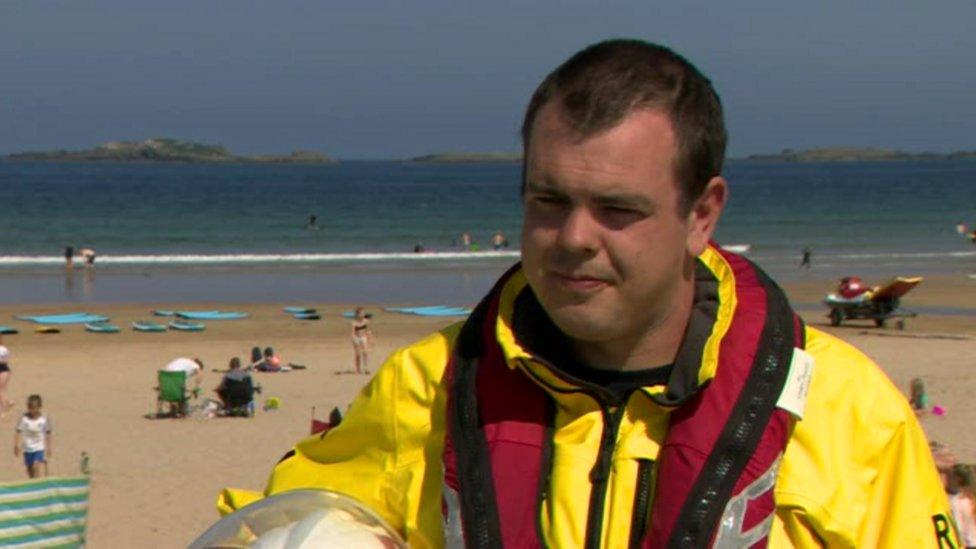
point(171, 389)
point(238, 396)
point(879, 304)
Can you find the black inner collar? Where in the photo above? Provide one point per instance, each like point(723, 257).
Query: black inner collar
point(537, 334)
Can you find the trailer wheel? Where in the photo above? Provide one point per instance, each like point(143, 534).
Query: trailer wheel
point(879, 322)
point(836, 316)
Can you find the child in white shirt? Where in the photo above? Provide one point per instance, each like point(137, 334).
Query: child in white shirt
point(33, 436)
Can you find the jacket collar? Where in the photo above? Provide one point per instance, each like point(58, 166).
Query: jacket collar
point(695, 363)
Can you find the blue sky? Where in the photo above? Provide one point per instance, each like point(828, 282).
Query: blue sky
point(372, 79)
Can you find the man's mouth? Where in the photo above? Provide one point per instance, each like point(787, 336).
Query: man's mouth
point(580, 283)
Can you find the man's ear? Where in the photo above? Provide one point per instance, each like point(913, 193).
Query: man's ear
point(704, 214)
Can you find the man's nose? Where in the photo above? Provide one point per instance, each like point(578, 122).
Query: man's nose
point(579, 231)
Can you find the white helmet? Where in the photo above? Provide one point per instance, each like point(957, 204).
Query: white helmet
point(302, 519)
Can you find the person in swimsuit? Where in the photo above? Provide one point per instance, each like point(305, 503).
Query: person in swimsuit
point(5, 405)
point(69, 257)
point(361, 340)
point(89, 255)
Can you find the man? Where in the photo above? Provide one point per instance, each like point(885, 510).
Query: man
point(630, 383)
point(236, 388)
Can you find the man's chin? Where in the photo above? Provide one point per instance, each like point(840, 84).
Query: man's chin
point(581, 324)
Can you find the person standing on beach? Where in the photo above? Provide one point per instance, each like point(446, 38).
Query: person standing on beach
point(5, 403)
point(69, 257)
point(362, 339)
point(805, 261)
point(33, 437)
point(630, 383)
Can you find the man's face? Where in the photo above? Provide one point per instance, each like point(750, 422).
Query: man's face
point(606, 246)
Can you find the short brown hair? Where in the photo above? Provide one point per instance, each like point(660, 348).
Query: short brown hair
point(600, 85)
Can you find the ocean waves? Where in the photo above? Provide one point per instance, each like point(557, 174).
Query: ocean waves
point(269, 258)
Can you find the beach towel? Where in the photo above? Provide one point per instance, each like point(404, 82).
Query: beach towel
point(44, 512)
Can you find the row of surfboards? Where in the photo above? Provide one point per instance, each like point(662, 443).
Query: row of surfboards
point(105, 327)
point(186, 321)
point(147, 326)
point(307, 313)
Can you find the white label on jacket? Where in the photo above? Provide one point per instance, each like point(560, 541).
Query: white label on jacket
point(793, 399)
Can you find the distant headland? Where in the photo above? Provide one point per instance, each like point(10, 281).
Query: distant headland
point(167, 150)
point(468, 158)
point(855, 154)
point(825, 154)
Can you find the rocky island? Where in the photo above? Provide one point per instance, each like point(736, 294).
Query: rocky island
point(167, 150)
point(468, 158)
point(855, 154)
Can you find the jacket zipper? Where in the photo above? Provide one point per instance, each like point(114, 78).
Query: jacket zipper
point(642, 502)
point(600, 474)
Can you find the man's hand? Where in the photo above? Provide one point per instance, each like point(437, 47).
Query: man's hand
point(16, 450)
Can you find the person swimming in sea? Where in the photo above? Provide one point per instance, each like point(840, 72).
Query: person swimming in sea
point(311, 225)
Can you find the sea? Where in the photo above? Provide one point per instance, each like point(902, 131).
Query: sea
point(238, 233)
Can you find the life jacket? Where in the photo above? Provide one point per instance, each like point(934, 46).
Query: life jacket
point(718, 462)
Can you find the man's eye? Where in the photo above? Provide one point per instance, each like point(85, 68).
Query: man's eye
point(548, 199)
point(622, 210)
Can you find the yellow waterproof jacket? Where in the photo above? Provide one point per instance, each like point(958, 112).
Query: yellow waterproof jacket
point(857, 471)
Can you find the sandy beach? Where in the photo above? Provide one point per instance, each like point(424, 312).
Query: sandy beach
point(155, 481)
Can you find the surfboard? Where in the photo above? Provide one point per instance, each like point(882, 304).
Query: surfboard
point(435, 310)
point(148, 326)
point(308, 316)
point(185, 326)
point(69, 318)
point(101, 328)
point(47, 330)
point(211, 315)
point(299, 310)
point(7, 330)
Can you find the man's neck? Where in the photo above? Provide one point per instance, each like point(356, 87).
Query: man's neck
point(656, 345)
